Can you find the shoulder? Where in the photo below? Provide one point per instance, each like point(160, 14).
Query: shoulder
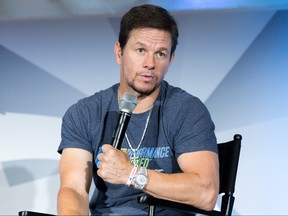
point(93, 104)
point(177, 98)
point(179, 106)
point(100, 97)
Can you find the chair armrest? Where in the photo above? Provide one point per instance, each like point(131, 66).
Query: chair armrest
point(174, 205)
point(31, 213)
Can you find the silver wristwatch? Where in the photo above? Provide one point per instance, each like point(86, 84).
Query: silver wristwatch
point(141, 179)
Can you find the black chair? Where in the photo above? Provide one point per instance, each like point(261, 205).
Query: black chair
point(229, 153)
point(31, 213)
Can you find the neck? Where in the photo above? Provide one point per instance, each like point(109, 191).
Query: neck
point(144, 103)
point(143, 106)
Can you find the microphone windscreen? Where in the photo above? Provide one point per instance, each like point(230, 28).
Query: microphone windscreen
point(128, 102)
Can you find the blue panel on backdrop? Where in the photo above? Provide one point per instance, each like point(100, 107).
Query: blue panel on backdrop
point(176, 5)
point(255, 90)
point(26, 88)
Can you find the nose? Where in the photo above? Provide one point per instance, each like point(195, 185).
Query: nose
point(149, 62)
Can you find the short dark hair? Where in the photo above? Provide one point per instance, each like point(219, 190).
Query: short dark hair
point(148, 16)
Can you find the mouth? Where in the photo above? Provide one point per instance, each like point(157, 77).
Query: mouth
point(146, 77)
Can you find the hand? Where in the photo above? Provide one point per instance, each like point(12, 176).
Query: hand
point(114, 165)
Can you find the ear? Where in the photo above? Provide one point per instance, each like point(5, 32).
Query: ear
point(117, 52)
point(172, 58)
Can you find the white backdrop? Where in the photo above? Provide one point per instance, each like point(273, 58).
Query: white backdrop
point(234, 61)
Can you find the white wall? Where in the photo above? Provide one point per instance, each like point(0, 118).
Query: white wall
point(235, 61)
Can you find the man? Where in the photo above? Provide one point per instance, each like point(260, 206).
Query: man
point(169, 150)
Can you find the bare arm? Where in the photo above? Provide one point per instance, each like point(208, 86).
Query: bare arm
point(75, 178)
point(198, 185)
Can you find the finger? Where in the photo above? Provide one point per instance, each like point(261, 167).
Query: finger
point(106, 147)
point(100, 152)
point(99, 173)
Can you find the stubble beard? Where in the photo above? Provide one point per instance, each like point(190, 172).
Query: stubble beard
point(141, 92)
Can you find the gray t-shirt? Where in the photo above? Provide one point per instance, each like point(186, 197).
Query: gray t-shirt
point(179, 123)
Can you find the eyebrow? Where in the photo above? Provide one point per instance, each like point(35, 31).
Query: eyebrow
point(159, 49)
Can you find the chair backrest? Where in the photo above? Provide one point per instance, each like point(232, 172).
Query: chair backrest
point(229, 153)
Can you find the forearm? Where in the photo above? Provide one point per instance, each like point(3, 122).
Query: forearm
point(188, 188)
point(70, 202)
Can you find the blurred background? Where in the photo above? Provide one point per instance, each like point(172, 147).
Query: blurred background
point(232, 54)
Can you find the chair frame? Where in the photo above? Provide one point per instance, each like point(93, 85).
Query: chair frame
point(228, 153)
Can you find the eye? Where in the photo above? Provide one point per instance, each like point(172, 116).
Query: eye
point(161, 54)
point(140, 50)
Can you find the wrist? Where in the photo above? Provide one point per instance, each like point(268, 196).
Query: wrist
point(141, 178)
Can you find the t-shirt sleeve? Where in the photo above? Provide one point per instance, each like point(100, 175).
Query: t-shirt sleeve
point(194, 128)
point(75, 129)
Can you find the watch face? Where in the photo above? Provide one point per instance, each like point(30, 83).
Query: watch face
point(141, 179)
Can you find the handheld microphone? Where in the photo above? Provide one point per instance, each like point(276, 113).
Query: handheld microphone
point(127, 104)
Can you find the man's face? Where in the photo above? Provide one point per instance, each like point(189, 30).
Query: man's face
point(145, 60)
